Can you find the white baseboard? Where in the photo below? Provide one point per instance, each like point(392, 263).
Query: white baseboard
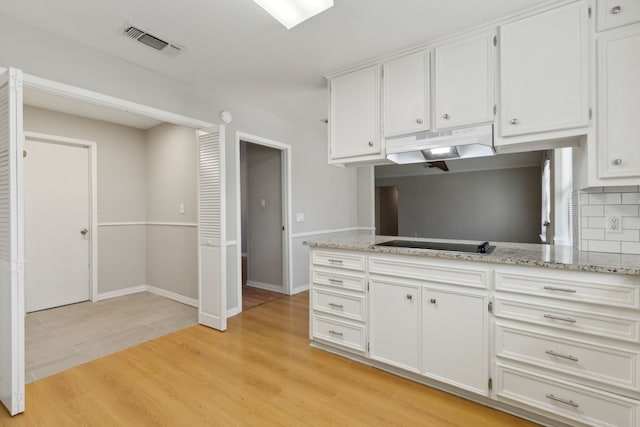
point(265, 286)
point(172, 295)
point(299, 289)
point(120, 292)
point(233, 312)
point(146, 288)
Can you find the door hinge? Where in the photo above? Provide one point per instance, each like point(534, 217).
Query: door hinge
point(367, 285)
point(490, 307)
point(368, 346)
point(590, 113)
point(283, 228)
point(382, 72)
point(490, 384)
point(589, 12)
point(495, 109)
point(495, 40)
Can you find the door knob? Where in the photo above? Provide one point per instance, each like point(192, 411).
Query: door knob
point(419, 121)
point(84, 231)
point(445, 116)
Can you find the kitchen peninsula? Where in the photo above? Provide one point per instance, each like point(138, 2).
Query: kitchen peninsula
point(546, 332)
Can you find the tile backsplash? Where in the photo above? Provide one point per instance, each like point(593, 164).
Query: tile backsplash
point(594, 207)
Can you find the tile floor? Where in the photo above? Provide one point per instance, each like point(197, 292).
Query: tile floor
point(62, 337)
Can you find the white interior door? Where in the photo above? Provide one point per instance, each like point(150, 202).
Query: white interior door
point(57, 218)
point(212, 284)
point(11, 244)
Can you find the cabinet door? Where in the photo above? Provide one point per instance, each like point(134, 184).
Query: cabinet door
point(355, 114)
point(393, 323)
point(464, 82)
point(619, 103)
point(406, 95)
point(543, 72)
point(455, 338)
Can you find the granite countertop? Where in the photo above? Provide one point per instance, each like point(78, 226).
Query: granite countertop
point(561, 257)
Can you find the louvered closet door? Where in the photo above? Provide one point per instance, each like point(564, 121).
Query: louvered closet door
point(11, 244)
point(212, 310)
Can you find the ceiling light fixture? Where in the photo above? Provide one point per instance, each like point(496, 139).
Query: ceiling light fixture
point(292, 12)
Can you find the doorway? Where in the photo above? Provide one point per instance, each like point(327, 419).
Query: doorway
point(263, 223)
point(59, 205)
point(386, 206)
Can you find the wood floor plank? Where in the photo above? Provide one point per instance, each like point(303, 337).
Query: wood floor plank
point(261, 372)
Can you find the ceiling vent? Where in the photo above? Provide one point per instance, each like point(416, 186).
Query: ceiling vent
point(146, 38)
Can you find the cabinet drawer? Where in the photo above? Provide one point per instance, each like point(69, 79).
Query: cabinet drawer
point(575, 402)
point(578, 289)
point(452, 273)
point(624, 328)
point(338, 279)
point(616, 13)
point(348, 261)
point(611, 366)
point(339, 304)
point(343, 333)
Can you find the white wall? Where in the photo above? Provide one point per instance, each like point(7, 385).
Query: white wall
point(326, 194)
point(122, 188)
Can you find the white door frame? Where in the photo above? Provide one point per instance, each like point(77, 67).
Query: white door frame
point(93, 197)
point(286, 209)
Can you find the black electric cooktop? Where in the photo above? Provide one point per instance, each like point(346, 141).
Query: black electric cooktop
point(482, 248)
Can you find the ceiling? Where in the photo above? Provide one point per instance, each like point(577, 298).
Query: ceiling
point(237, 51)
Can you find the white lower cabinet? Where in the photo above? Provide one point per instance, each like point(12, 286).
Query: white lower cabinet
point(394, 316)
point(556, 344)
point(455, 338)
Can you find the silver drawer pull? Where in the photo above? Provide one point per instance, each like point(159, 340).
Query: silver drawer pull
point(552, 288)
point(562, 319)
point(336, 333)
point(566, 402)
point(335, 261)
point(333, 305)
point(339, 282)
point(564, 356)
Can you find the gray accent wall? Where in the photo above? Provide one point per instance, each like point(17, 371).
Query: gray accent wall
point(496, 205)
point(172, 257)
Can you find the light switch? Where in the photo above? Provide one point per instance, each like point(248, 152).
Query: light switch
point(182, 208)
point(300, 217)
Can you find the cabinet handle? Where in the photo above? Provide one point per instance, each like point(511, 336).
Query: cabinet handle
point(339, 282)
point(616, 10)
point(370, 143)
point(335, 261)
point(563, 319)
point(409, 296)
point(445, 116)
point(432, 300)
point(419, 121)
point(339, 334)
point(552, 288)
point(333, 305)
point(566, 402)
point(617, 162)
point(564, 356)
point(514, 121)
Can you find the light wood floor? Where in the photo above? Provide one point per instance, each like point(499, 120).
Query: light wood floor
point(261, 372)
point(253, 297)
point(63, 337)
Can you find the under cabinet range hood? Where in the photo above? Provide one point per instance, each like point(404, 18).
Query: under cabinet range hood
point(442, 145)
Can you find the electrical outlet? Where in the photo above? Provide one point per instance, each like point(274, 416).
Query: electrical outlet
point(614, 224)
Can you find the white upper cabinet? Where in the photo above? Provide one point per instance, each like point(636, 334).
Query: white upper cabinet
point(406, 95)
point(354, 122)
point(543, 72)
point(615, 13)
point(464, 75)
point(619, 103)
